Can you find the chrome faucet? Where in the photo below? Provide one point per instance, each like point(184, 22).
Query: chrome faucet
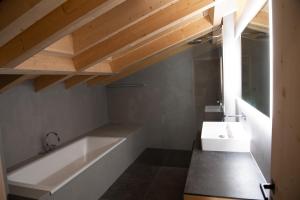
point(241, 116)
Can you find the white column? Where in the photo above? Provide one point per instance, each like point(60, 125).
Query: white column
point(231, 65)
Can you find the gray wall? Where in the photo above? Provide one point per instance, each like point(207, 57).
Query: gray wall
point(166, 105)
point(26, 116)
point(260, 127)
point(256, 100)
point(207, 79)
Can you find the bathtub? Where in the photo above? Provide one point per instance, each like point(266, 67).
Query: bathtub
point(83, 169)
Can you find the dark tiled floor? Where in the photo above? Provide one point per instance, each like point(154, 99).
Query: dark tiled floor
point(13, 197)
point(156, 175)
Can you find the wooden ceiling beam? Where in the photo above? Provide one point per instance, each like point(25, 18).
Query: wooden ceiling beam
point(79, 79)
point(71, 79)
point(58, 23)
point(215, 15)
point(99, 80)
point(153, 37)
point(145, 28)
point(45, 81)
point(48, 63)
point(9, 81)
point(103, 68)
point(76, 80)
point(28, 72)
point(17, 15)
point(178, 37)
point(189, 31)
point(114, 21)
point(44, 62)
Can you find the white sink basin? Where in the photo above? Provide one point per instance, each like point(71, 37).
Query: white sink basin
point(224, 136)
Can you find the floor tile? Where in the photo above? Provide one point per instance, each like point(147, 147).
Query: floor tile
point(157, 174)
point(168, 184)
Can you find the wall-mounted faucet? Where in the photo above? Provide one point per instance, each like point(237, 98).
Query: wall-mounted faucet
point(241, 116)
point(51, 141)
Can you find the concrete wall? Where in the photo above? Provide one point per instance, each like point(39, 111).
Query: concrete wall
point(3, 181)
point(256, 101)
point(170, 106)
point(166, 105)
point(260, 128)
point(26, 116)
point(207, 79)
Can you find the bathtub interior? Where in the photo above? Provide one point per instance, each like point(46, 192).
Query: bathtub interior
point(57, 168)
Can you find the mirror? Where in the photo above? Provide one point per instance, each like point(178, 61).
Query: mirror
point(256, 62)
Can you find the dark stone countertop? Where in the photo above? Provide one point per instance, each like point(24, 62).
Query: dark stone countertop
point(223, 174)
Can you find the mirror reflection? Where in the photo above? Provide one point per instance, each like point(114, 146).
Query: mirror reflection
point(256, 62)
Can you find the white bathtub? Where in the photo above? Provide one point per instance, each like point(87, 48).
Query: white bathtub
point(83, 169)
point(53, 171)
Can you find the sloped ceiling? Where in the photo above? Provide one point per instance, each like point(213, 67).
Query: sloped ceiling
point(95, 41)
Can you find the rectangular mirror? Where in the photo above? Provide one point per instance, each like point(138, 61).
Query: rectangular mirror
point(256, 62)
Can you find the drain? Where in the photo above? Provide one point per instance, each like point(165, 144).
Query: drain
point(221, 136)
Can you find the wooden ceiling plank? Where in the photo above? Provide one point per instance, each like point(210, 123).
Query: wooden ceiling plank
point(260, 22)
point(45, 63)
point(154, 24)
point(114, 21)
point(37, 72)
point(60, 22)
point(151, 37)
point(9, 81)
point(17, 15)
point(45, 81)
point(196, 28)
point(14, 9)
point(174, 39)
point(62, 47)
point(103, 67)
point(78, 79)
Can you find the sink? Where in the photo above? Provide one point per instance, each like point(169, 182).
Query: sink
point(224, 136)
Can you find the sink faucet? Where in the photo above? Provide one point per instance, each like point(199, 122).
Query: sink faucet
point(241, 116)
point(51, 141)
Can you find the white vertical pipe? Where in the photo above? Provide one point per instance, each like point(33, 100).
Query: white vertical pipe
point(231, 65)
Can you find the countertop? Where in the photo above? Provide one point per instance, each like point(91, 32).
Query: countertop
point(223, 174)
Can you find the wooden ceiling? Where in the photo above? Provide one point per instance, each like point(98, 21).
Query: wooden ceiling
point(94, 41)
